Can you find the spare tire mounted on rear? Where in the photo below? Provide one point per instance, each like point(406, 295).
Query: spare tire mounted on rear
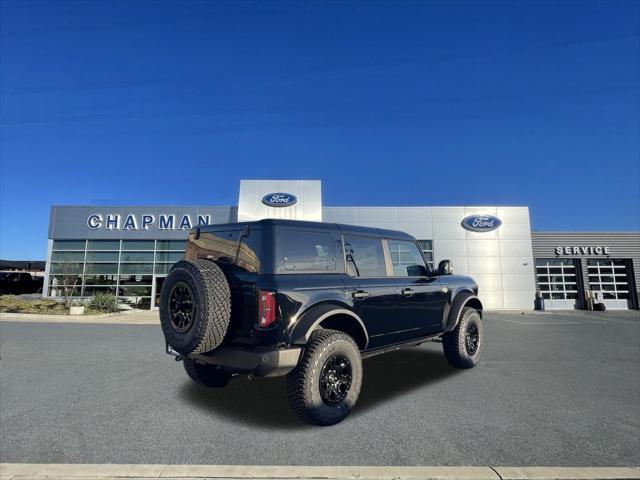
point(195, 306)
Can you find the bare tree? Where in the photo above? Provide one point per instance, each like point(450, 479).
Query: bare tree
point(68, 271)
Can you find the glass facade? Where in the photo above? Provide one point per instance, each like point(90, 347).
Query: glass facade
point(427, 249)
point(125, 268)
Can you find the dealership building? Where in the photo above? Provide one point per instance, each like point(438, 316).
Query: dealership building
point(128, 251)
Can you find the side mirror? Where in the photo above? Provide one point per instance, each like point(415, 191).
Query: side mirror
point(416, 271)
point(445, 267)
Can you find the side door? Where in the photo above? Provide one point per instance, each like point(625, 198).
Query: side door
point(423, 297)
point(372, 289)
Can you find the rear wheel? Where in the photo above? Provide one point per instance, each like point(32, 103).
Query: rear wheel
point(195, 306)
point(207, 375)
point(324, 387)
point(463, 345)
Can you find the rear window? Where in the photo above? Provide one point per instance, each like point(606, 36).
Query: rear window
point(228, 246)
point(308, 250)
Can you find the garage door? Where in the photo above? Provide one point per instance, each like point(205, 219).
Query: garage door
point(610, 280)
point(557, 283)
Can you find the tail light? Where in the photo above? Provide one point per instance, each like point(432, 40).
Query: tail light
point(266, 308)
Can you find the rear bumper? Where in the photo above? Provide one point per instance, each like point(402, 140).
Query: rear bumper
point(258, 361)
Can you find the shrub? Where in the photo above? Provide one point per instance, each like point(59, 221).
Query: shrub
point(13, 304)
point(104, 302)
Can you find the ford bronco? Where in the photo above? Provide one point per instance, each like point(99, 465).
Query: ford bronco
point(310, 301)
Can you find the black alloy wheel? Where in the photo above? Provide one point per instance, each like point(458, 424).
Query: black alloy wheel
point(182, 308)
point(463, 345)
point(335, 379)
point(472, 339)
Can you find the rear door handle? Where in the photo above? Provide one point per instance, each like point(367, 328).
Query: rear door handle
point(360, 294)
point(407, 292)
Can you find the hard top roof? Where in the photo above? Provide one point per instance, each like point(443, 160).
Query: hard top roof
point(346, 229)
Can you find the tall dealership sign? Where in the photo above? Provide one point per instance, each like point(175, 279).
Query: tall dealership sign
point(134, 222)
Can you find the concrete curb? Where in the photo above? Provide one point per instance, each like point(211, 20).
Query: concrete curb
point(129, 317)
point(23, 471)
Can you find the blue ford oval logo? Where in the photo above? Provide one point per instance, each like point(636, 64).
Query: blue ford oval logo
point(481, 223)
point(279, 199)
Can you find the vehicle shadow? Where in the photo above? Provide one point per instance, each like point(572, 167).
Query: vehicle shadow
point(263, 401)
point(395, 374)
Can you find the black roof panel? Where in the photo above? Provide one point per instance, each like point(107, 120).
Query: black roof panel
point(346, 229)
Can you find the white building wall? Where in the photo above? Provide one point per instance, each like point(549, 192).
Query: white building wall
point(501, 261)
point(307, 207)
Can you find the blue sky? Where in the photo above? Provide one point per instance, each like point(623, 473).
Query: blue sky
point(388, 103)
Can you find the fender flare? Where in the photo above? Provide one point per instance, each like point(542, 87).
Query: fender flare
point(311, 319)
point(459, 302)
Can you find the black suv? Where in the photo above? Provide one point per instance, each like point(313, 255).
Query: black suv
point(310, 301)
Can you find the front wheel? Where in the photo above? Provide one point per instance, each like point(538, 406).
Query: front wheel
point(463, 345)
point(324, 387)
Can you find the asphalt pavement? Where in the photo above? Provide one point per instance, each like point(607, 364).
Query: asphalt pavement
point(551, 389)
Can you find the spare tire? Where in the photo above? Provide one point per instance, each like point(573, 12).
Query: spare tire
point(195, 306)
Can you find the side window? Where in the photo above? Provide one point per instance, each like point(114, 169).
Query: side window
point(225, 245)
point(406, 259)
point(309, 250)
point(365, 257)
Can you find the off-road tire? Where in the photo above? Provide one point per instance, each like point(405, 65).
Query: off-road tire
point(212, 300)
point(303, 383)
point(207, 375)
point(454, 342)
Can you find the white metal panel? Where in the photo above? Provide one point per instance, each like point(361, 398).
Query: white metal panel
point(488, 281)
point(516, 248)
point(555, 304)
point(519, 300)
point(449, 248)
point(491, 300)
point(414, 214)
point(388, 226)
point(492, 235)
point(514, 231)
point(518, 282)
point(484, 264)
point(47, 269)
point(348, 215)
point(479, 211)
point(377, 215)
point(421, 231)
point(447, 214)
point(308, 205)
point(513, 214)
point(615, 304)
point(446, 231)
point(483, 248)
point(522, 265)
